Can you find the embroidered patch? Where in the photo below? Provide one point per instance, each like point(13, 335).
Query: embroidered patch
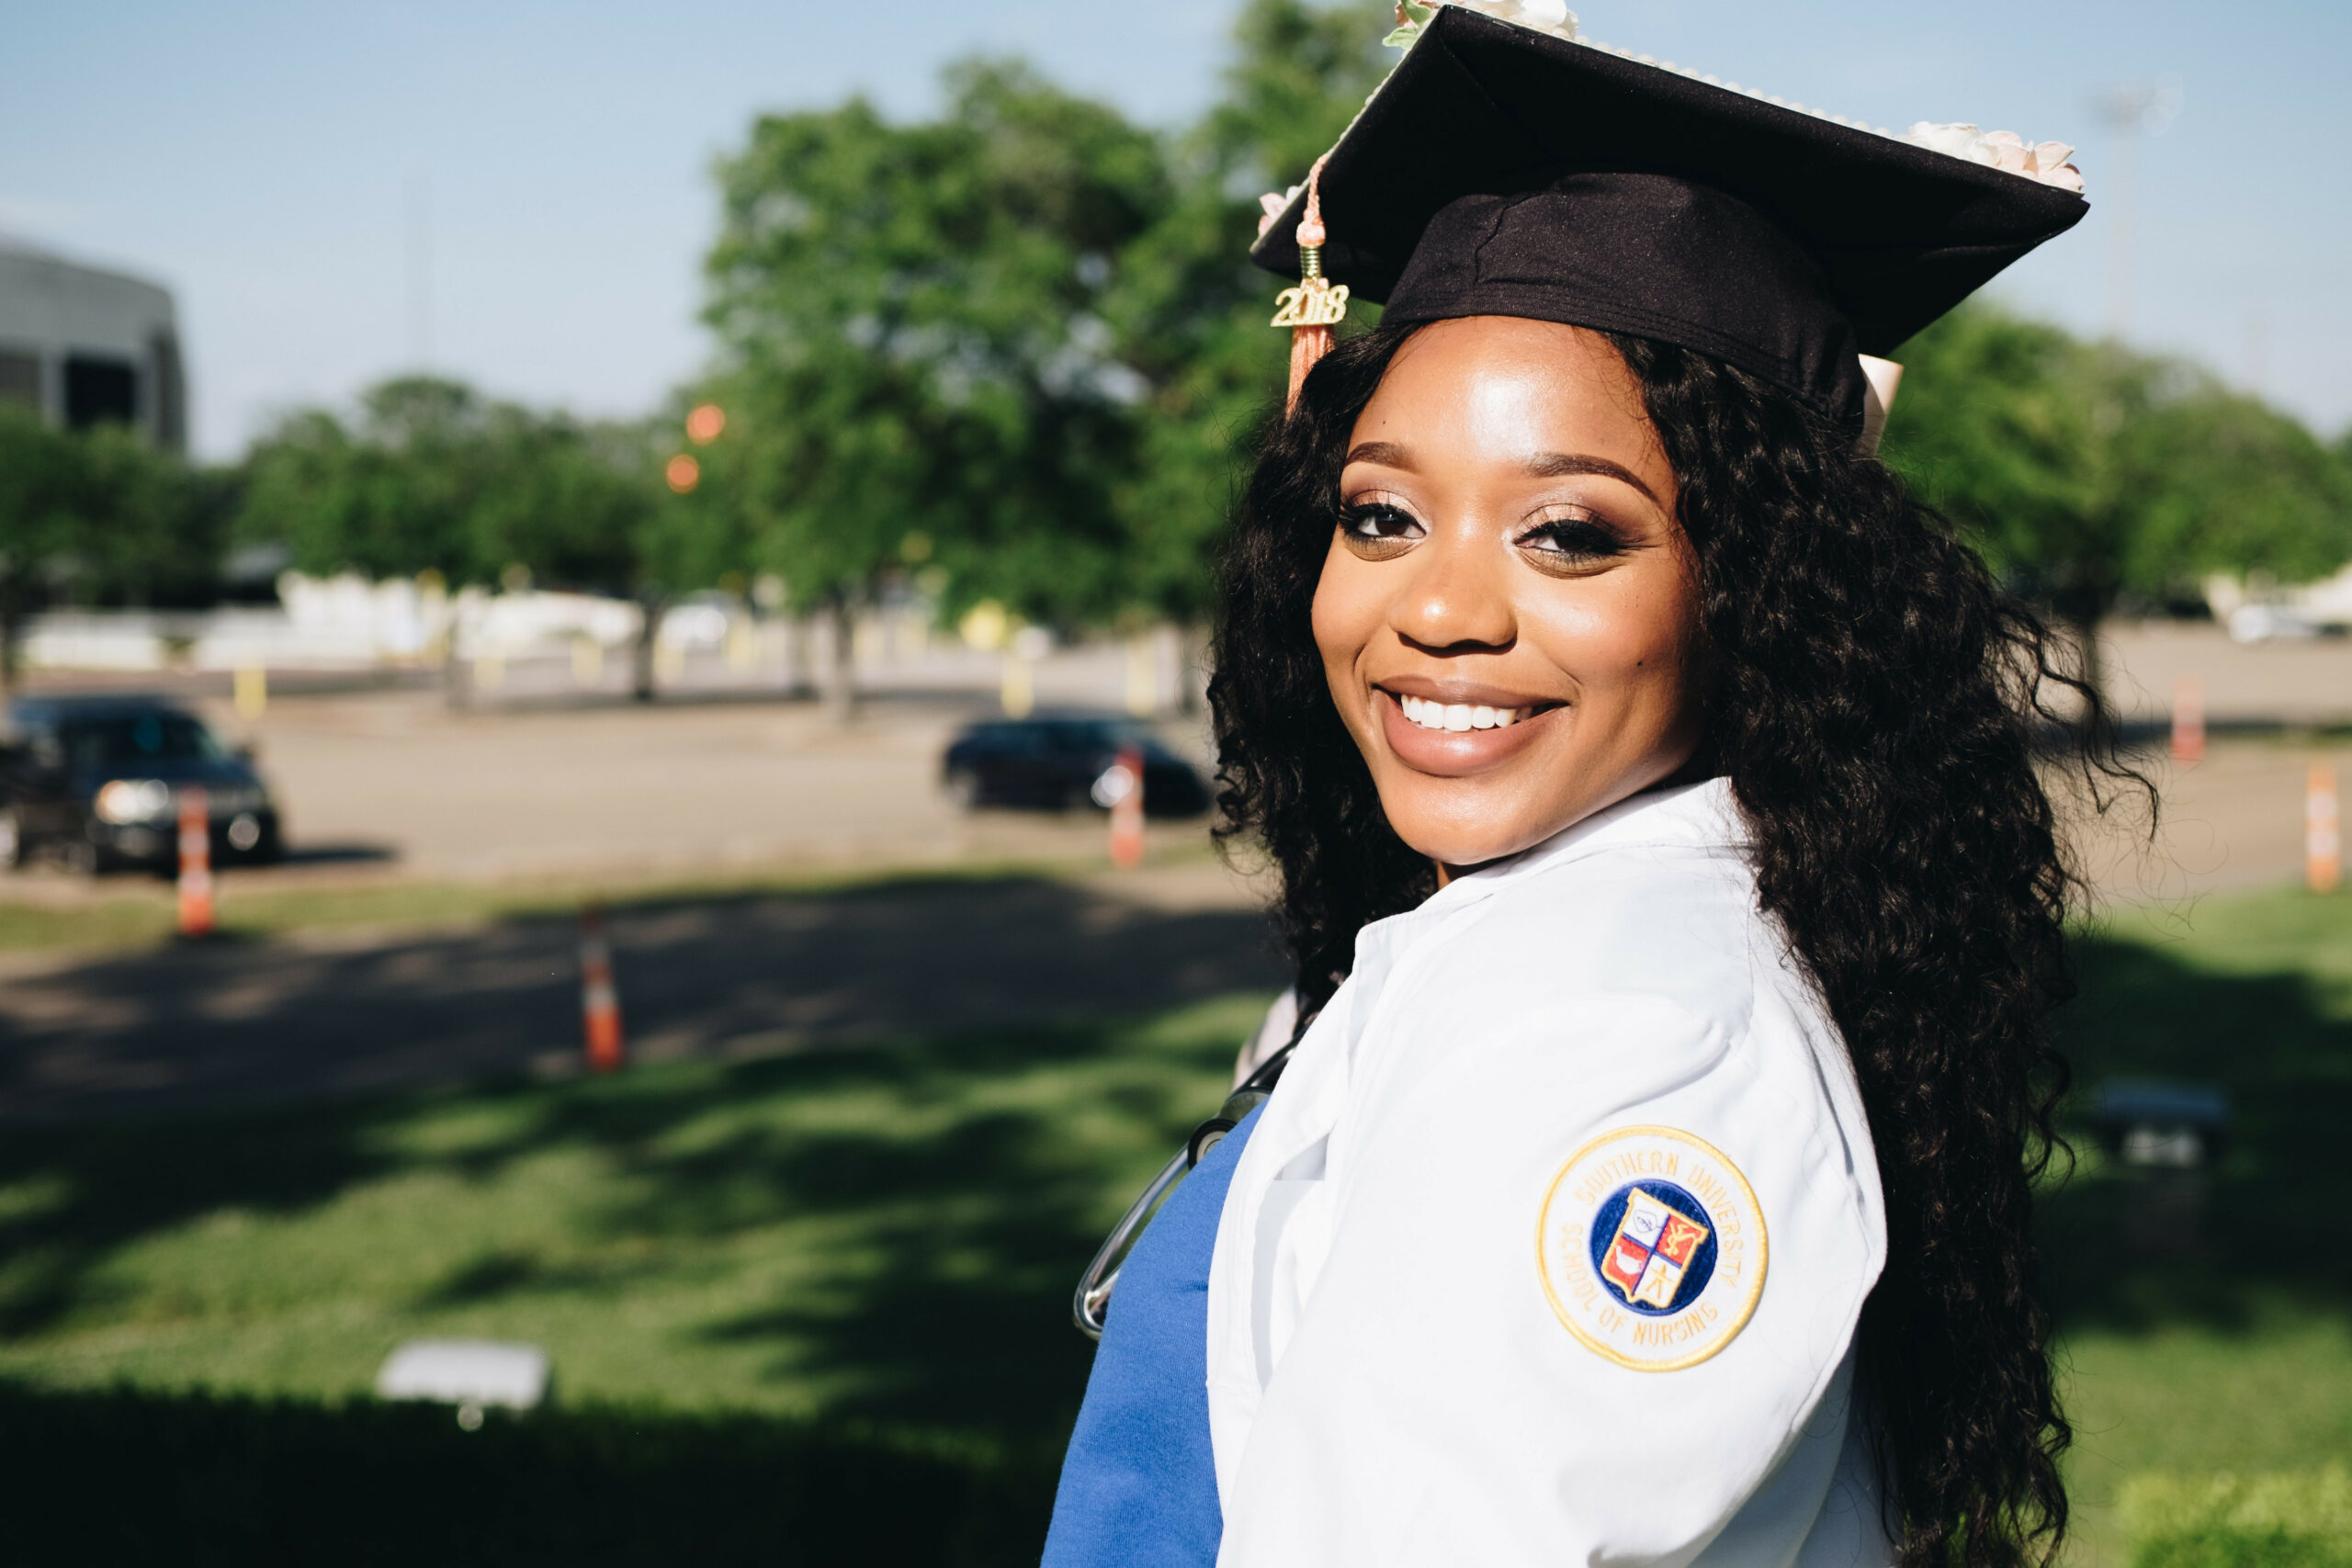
point(1651, 1247)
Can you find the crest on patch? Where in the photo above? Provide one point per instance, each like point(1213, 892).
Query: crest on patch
point(1652, 1248)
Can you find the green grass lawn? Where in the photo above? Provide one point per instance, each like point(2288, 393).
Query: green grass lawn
point(882, 1240)
point(2230, 1352)
point(888, 1233)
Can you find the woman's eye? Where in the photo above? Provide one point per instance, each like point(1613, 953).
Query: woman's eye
point(1572, 539)
point(1379, 522)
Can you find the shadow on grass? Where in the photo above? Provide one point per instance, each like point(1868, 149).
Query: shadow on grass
point(963, 1201)
point(2270, 1222)
point(126, 1478)
point(263, 1020)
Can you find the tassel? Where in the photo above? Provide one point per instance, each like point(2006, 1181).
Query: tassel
point(1308, 345)
point(1317, 305)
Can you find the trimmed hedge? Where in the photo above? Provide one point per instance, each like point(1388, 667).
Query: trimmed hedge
point(2299, 1520)
point(125, 1477)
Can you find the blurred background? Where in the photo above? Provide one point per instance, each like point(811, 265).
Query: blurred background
point(609, 880)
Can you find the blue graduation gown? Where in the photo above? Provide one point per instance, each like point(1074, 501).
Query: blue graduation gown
point(1138, 1487)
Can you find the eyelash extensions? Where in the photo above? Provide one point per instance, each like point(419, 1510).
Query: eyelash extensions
point(1353, 518)
point(1576, 537)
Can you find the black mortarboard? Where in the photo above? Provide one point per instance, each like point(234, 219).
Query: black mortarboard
point(1503, 171)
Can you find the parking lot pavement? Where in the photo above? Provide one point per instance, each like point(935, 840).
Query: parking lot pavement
point(241, 1024)
point(397, 785)
point(400, 784)
point(2232, 821)
point(637, 794)
point(2292, 681)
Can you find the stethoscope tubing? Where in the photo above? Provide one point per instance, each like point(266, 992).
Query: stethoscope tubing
point(1090, 1303)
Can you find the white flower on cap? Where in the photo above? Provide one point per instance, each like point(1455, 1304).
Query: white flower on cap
point(1542, 16)
point(2042, 161)
point(1276, 205)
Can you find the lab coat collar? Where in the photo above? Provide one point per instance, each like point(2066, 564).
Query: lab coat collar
point(1698, 816)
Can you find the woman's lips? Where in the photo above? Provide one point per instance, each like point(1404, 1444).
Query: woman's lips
point(1435, 745)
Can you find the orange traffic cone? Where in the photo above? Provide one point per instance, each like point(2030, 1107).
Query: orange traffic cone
point(2322, 830)
point(600, 1000)
point(196, 863)
point(2189, 721)
point(1126, 809)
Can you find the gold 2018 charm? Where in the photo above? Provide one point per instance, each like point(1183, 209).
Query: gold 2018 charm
point(1314, 303)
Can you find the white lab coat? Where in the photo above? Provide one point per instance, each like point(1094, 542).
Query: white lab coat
point(1388, 1381)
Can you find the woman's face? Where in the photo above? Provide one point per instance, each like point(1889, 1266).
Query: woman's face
point(1507, 612)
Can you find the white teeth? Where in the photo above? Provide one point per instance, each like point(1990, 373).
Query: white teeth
point(1457, 717)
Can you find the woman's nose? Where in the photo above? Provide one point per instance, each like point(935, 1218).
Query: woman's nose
point(1456, 596)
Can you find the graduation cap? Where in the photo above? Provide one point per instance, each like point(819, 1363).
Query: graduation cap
point(1501, 170)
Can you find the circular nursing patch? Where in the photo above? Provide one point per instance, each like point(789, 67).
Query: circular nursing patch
point(1651, 1247)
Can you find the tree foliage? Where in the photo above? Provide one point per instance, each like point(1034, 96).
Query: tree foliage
point(2087, 472)
point(432, 477)
point(1025, 333)
point(100, 517)
point(913, 320)
point(1192, 313)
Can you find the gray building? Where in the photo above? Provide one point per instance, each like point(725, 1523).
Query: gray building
point(85, 346)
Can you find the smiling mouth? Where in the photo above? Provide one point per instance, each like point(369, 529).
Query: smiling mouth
point(1426, 714)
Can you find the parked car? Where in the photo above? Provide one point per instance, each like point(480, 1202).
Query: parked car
point(97, 780)
point(2279, 623)
point(1059, 764)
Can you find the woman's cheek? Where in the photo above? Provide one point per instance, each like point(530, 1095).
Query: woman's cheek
point(1584, 637)
point(1345, 615)
point(1614, 637)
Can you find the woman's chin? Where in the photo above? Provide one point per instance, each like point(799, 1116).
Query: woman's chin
point(1462, 825)
point(1468, 820)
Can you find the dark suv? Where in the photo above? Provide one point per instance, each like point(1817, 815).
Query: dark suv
point(97, 780)
point(1059, 764)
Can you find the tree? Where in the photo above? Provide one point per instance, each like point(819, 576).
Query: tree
point(910, 318)
point(100, 517)
point(37, 485)
point(436, 479)
point(2217, 481)
point(2084, 471)
point(1994, 426)
point(1192, 313)
point(1021, 342)
point(386, 499)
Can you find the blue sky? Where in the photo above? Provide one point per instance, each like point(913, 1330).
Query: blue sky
point(263, 158)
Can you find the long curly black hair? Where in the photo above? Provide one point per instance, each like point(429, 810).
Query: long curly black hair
point(1875, 703)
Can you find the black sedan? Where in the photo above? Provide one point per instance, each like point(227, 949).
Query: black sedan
point(1059, 764)
point(97, 780)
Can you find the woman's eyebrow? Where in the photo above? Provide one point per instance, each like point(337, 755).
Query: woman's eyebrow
point(1551, 465)
point(1547, 465)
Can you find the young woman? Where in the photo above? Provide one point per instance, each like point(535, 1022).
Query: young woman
point(1673, 900)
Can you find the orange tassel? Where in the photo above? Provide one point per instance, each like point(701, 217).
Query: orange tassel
point(1311, 308)
point(1308, 345)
